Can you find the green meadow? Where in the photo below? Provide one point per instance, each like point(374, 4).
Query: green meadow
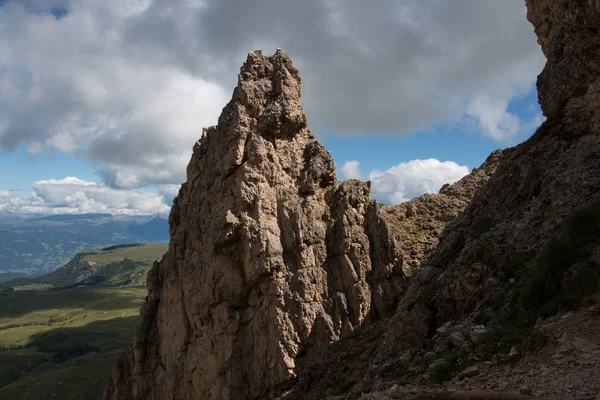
point(61, 344)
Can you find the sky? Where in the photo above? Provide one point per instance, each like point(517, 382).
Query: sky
point(102, 101)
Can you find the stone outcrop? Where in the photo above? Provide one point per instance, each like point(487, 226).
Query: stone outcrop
point(416, 225)
point(569, 85)
point(270, 257)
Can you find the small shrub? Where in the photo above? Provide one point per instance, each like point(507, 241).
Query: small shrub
point(427, 292)
point(502, 338)
point(453, 361)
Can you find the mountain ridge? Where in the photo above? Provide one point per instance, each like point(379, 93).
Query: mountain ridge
point(118, 265)
point(38, 245)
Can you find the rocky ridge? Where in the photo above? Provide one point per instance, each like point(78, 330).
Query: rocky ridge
point(416, 225)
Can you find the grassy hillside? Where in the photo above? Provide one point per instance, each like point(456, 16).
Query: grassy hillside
point(64, 342)
point(116, 265)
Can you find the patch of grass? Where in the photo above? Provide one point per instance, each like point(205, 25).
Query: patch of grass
point(563, 273)
point(542, 131)
point(34, 287)
point(64, 306)
point(427, 292)
point(410, 269)
point(65, 342)
point(502, 338)
point(146, 254)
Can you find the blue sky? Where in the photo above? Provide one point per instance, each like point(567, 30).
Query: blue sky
point(117, 92)
point(20, 168)
point(457, 142)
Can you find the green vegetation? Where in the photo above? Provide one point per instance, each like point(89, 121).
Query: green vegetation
point(558, 279)
point(116, 265)
point(502, 338)
point(143, 253)
point(563, 273)
point(64, 342)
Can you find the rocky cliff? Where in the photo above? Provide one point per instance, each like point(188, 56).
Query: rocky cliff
point(416, 225)
point(510, 292)
point(271, 258)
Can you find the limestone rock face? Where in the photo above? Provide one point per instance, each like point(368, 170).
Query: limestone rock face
point(270, 257)
point(569, 85)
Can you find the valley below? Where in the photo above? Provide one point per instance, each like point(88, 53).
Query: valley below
point(61, 344)
point(61, 332)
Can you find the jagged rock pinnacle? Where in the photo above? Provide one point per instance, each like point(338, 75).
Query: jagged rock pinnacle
point(270, 257)
point(270, 88)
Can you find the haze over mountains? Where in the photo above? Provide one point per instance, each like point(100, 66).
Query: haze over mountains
point(35, 245)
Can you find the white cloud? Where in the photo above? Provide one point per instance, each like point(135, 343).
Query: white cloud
point(407, 180)
point(129, 84)
point(75, 196)
point(351, 170)
point(168, 192)
point(493, 119)
point(79, 87)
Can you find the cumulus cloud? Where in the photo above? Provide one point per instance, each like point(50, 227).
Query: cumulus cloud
point(493, 119)
point(351, 170)
point(129, 84)
point(168, 192)
point(75, 196)
point(407, 180)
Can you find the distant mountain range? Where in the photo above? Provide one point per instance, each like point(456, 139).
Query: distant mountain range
point(39, 244)
point(125, 264)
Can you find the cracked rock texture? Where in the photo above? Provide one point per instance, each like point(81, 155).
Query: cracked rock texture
point(270, 257)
